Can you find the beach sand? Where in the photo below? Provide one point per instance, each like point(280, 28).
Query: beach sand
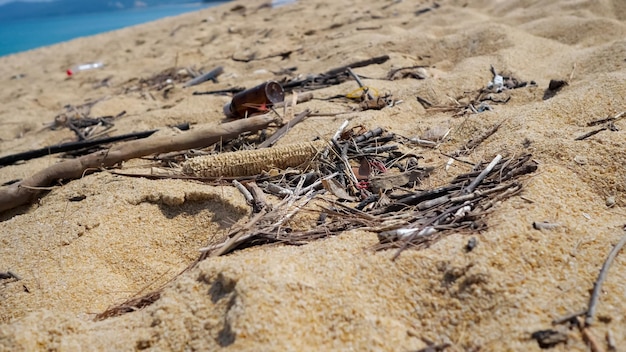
point(130, 236)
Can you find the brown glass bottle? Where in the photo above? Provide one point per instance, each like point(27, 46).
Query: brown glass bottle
point(256, 100)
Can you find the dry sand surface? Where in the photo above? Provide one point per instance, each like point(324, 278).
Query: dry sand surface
point(130, 236)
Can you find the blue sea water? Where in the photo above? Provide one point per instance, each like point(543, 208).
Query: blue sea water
point(25, 34)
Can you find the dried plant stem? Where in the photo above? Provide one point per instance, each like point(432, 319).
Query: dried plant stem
point(304, 201)
point(475, 142)
point(336, 137)
point(246, 194)
point(430, 222)
point(259, 202)
point(361, 85)
point(235, 239)
point(589, 134)
point(211, 75)
point(375, 60)
point(283, 130)
point(588, 336)
point(568, 317)
point(597, 287)
point(472, 186)
point(608, 119)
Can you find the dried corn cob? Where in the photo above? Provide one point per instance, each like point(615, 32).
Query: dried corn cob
point(252, 162)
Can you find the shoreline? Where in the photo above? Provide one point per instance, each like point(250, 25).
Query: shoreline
point(56, 25)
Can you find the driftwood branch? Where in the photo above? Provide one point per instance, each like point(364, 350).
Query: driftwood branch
point(70, 146)
point(25, 191)
point(211, 75)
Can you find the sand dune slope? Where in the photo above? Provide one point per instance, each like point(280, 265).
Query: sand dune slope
point(133, 235)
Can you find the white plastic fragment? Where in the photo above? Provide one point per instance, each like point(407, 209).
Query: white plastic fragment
point(449, 163)
point(462, 211)
point(403, 234)
point(497, 84)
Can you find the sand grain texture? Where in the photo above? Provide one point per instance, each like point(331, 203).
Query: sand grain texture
point(133, 235)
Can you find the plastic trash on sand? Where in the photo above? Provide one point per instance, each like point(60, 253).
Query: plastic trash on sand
point(84, 67)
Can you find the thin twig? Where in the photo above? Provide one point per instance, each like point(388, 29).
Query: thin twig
point(301, 98)
point(597, 287)
point(429, 223)
point(283, 130)
point(71, 146)
point(278, 190)
point(361, 85)
point(236, 239)
point(211, 75)
point(482, 175)
point(589, 134)
point(232, 90)
point(336, 137)
point(246, 194)
point(376, 60)
point(608, 119)
point(451, 156)
point(473, 143)
point(544, 225)
point(302, 202)
point(9, 275)
point(259, 202)
point(568, 317)
point(588, 336)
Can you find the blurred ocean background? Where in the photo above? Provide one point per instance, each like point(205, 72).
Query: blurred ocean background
point(21, 33)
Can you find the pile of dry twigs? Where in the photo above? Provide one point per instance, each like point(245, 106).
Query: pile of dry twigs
point(364, 181)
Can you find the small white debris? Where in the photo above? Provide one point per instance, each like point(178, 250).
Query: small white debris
point(449, 163)
point(580, 160)
point(403, 234)
point(462, 211)
point(610, 201)
point(427, 231)
point(544, 225)
point(497, 84)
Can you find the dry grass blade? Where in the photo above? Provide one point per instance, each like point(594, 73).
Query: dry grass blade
point(130, 306)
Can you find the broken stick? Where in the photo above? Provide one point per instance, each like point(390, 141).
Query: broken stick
point(472, 186)
point(597, 287)
point(283, 130)
point(25, 192)
point(375, 60)
point(211, 75)
point(70, 146)
point(360, 83)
